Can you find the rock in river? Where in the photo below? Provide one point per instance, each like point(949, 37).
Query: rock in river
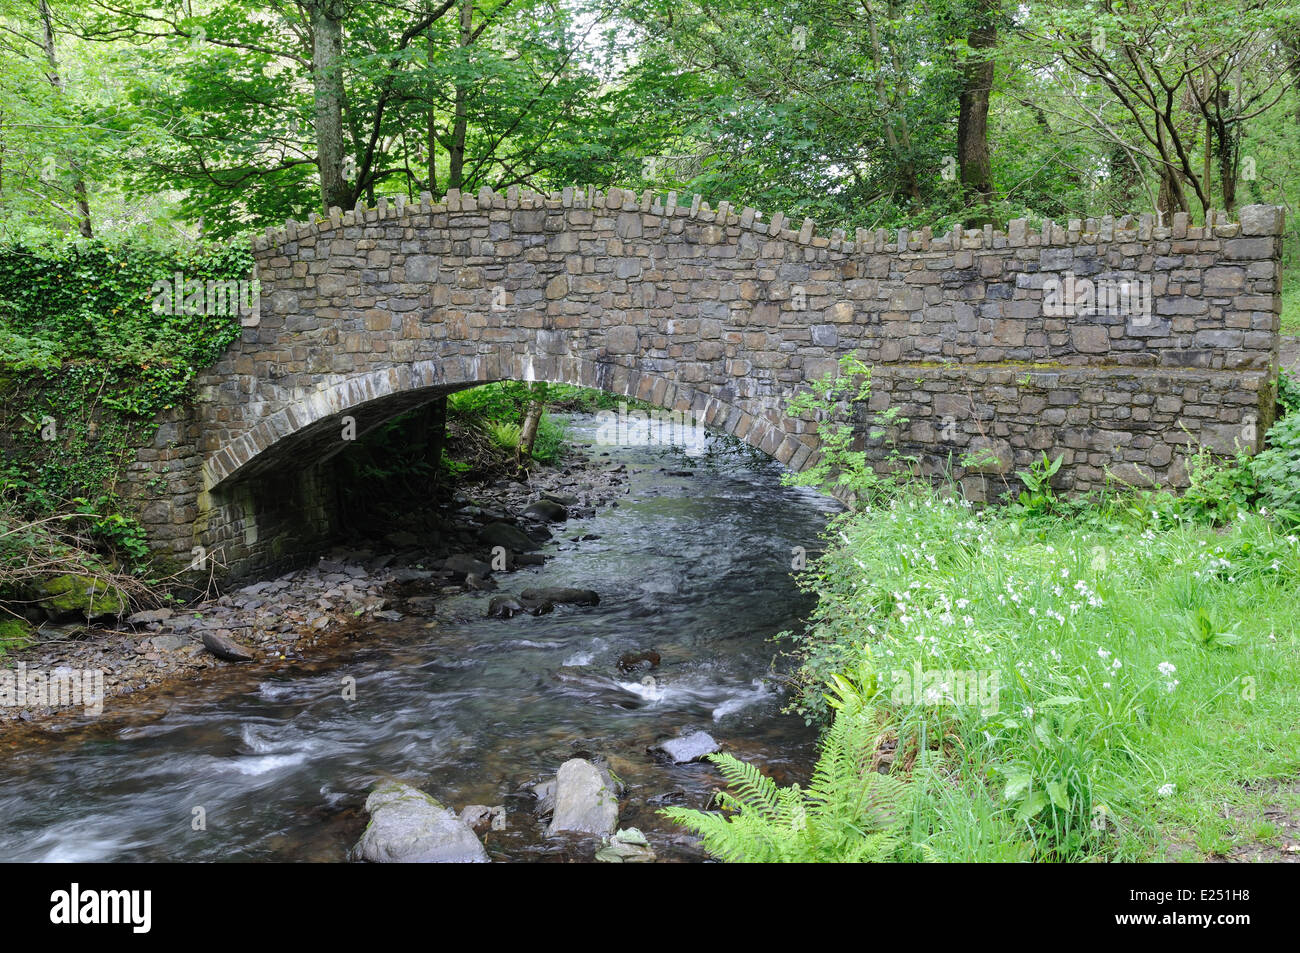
point(512, 538)
point(504, 607)
point(547, 511)
point(407, 826)
point(630, 662)
point(559, 595)
point(483, 818)
point(507, 607)
point(220, 644)
point(690, 747)
point(628, 846)
point(585, 799)
point(464, 565)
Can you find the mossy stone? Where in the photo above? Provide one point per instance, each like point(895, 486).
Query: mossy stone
point(69, 595)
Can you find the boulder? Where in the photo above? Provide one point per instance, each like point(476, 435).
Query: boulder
point(632, 662)
point(70, 596)
point(148, 616)
point(628, 846)
point(464, 565)
point(560, 595)
point(511, 537)
point(692, 747)
point(408, 826)
point(504, 607)
point(548, 511)
point(220, 644)
point(586, 800)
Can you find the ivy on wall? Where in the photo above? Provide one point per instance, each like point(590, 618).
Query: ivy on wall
point(95, 341)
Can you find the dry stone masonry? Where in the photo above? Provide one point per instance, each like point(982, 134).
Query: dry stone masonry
point(1114, 343)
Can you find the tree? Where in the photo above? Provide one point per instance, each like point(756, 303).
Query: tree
point(1181, 70)
point(972, 121)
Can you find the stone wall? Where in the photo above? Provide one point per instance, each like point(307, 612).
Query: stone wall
point(985, 340)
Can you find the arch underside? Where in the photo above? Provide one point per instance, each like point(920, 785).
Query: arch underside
point(309, 430)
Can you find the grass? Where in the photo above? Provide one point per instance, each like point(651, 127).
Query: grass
point(1145, 671)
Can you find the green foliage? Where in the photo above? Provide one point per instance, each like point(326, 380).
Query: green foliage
point(1219, 490)
point(94, 303)
point(504, 433)
point(1291, 302)
point(1288, 391)
point(837, 401)
point(497, 411)
point(89, 362)
point(550, 439)
point(850, 812)
point(1276, 471)
point(503, 400)
point(1037, 498)
point(1048, 772)
point(1143, 663)
point(59, 560)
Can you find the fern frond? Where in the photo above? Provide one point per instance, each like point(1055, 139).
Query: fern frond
point(849, 813)
point(755, 791)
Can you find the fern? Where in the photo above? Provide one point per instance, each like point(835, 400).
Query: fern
point(504, 434)
point(848, 813)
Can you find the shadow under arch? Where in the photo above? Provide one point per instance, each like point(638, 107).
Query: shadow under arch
point(309, 430)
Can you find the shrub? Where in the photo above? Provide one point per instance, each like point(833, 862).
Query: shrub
point(1276, 471)
point(835, 402)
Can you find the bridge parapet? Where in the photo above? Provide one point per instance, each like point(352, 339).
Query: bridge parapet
point(1112, 342)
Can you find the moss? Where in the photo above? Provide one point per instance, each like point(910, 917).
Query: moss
point(14, 634)
point(69, 594)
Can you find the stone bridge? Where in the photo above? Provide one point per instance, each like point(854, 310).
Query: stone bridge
point(1111, 342)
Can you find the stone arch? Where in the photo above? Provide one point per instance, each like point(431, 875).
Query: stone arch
point(725, 314)
point(402, 387)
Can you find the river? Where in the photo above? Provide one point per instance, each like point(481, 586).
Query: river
point(695, 567)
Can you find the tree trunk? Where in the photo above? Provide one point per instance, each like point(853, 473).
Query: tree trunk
point(78, 183)
point(532, 418)
point(327, 83)
point(455, 175)
point(973, 110)
point(1172, 197)
point(1291, 44)
point(431, 132)
point(437, 417)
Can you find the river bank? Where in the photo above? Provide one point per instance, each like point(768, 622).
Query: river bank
point(278, 622)
point(690, 555)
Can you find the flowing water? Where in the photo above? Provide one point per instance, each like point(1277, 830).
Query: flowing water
point(695, 567)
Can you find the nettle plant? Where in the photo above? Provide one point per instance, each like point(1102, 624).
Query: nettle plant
point(834, 401)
